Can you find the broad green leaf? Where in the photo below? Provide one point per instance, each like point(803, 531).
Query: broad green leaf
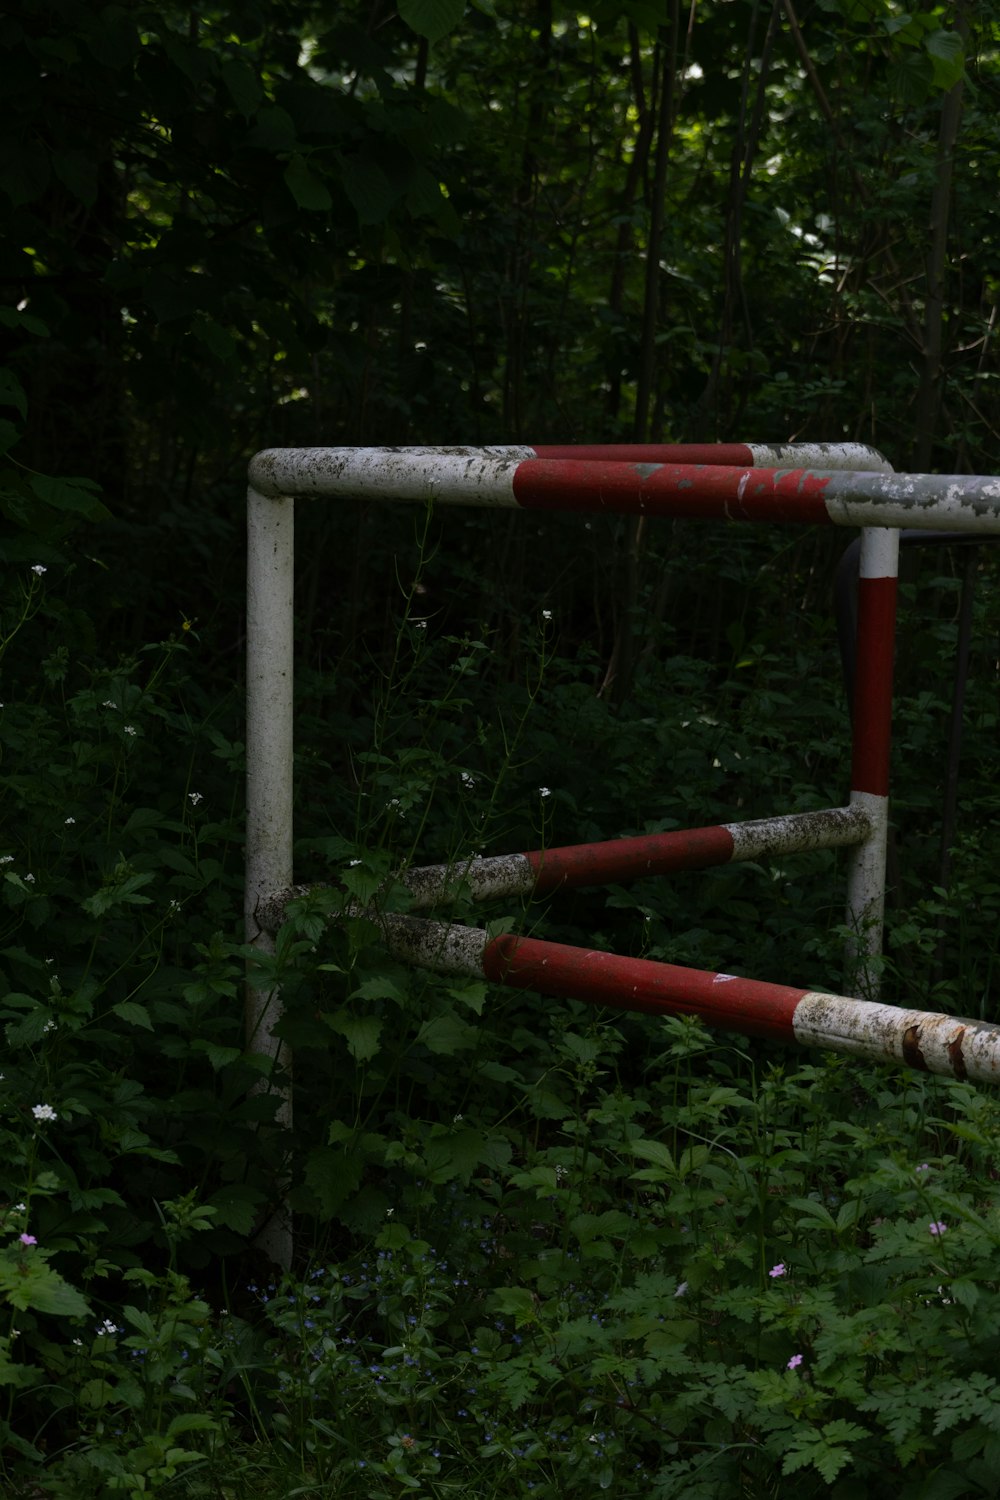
point(77, 495)
point(947, 54)
point(133, 1014)
point(242, 84)
point(472, 993)
point(816, 1213)
point(29, 1030)
point(369, 190)
point(381, 987)
point(911, 78)
point(305, 187)
point(333, 1175)
point(432, 19)
point(191, 1421)
point(236, 1206)
point(27, 1281)
point(453, 1155)
point(218, 1056)
point(446, 1034)
point(360, 1032)
point(11, 317)
point(655, 1152)
point(515, 1302)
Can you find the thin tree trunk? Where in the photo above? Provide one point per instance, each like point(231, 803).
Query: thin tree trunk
point(931, 371)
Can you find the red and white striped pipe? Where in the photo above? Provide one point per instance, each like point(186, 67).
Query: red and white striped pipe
point(724, 455)
point(542, 871)
point(933, 1043)
point(871, 736)
point(958, 502)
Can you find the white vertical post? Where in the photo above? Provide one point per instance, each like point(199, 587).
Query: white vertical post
point(872, 726)
point(270, 619)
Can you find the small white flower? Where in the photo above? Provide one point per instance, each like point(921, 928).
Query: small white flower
point(49, 1026)
point(194, 798)
point(353, 862)
point(44, 1112)
point(546, 614)
point(38, 570)
point(29, 879)
point(456, 1118)
point(421, 624)
point(389, 1212)
point(681, 1290)
point(129, 729)
point(20, 1208)
point(108, 704)
point(6, 859)
point(78, 1343)
point(69, 821)
point(107, 1327)
point(545, 791)
point(173, 906)
point(468, 780)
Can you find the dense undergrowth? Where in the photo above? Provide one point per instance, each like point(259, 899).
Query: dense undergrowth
point(540, 1249)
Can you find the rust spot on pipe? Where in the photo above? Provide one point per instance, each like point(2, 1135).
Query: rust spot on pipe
point(957, 1057)
point(911, 1048)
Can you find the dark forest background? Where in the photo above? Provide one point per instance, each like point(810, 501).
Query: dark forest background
point(225, 230)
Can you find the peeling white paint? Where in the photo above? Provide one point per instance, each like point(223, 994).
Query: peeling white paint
point(919, 1039)
point(793, 833)
point(866, 895)
point(462, 476)
point(924, 502)
point(818, 456)
point(500, 875)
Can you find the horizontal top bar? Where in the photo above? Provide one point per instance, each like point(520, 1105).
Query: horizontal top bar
point(720, 455)
point(956, 502)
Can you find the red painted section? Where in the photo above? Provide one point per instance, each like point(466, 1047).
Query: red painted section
point(622, 859)
point(743, 1005)
point(873, 685)
point(695, 492)
point(725, 455)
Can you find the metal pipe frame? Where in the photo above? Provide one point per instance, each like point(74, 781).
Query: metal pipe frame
point(812, 484)
point(832, 497)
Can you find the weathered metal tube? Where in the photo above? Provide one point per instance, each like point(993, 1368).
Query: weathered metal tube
point(871, 736)
point(540, 871)
point(958, 502)
point(950, 1045)
point(270, 576)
